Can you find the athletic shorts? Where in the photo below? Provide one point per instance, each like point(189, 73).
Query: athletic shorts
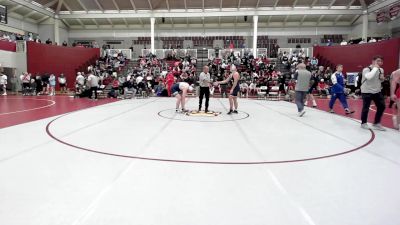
point(175, 90)
point(236, 91)
point(62, 85)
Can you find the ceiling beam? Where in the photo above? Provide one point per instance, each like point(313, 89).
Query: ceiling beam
point(331, 3)
point(172, 21)
point(276, 3)
point(167, 2)
point(320, 19)
point(269, 20)
point(313, 3)
point(116, 5)
point(363, 4)
point(337, 19)
point(180, 13)
point(286, 19)
point(29, 14)
point(65, 21)
point(239, 2)
point(355, 18)
point(203, 5)
point(98, 5)
point(50, 4)
point(109, 21)
point(185, 3)
point(68, 8)
point(379, 5)
point(150, 5)
point(295, 3)
point(258, 3)
point(60, 2)
point(12, 9)
point(126, 22)
point(220, 5)
point(350, 3)
point(39, 21)
point(33, 7)
point(80, 22)
point(95, 22)
point(302, 19)
point(82, 5)
point(133, 5)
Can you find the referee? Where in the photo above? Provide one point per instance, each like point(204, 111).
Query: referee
point(204, 81)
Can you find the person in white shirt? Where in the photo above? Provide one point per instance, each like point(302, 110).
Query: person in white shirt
point(26, 82)
point(52, 85)
point(62, 80)
point(204, 82)
point(344, 42)
point(3, 83)
point(93, 81)
point(80, 79)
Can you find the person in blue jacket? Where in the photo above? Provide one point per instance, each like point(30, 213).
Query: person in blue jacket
point(338, 91)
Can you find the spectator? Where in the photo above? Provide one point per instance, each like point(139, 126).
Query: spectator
point(65, 44)
point(3, 83)
point(26, 81)
point(49, 42)
point(93, 81)
point(52, 84)
point(62, 80)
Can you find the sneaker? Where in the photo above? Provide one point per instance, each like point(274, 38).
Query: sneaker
point(365, 126)
point(235, 111)
point(302, 113)
point(379, 127)
point(306, 103)
point(4, 94)
point(348, 111)
point(314, 106)
point(230, 112)
point(331, 111)
point(177, 110)
point(185, 110)
point(206, 111)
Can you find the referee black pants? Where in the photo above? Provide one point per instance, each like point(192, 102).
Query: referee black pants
point(204, 91)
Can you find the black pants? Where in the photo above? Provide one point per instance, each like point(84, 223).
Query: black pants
point(204, 91)
point(93, 89)
point(380, 106)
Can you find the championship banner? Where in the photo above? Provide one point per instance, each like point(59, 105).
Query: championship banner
point(394, 10)
point(381, 16)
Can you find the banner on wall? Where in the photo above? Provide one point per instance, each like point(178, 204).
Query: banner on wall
point(394, 11)
point(382, 16)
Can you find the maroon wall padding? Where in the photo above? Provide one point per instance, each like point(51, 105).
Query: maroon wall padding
point(42, 58)
point(8, 46)
point(355, 57)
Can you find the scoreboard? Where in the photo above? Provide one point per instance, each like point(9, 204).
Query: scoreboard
point(3, 14)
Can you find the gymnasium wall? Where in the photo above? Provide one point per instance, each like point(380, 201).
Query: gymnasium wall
point(42, 58)
point(355, 57)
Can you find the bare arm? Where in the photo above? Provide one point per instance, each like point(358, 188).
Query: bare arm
point(225, 81)
point(395, 80)
point(235, 80)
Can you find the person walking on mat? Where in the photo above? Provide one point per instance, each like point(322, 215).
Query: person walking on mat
point(337, 90)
